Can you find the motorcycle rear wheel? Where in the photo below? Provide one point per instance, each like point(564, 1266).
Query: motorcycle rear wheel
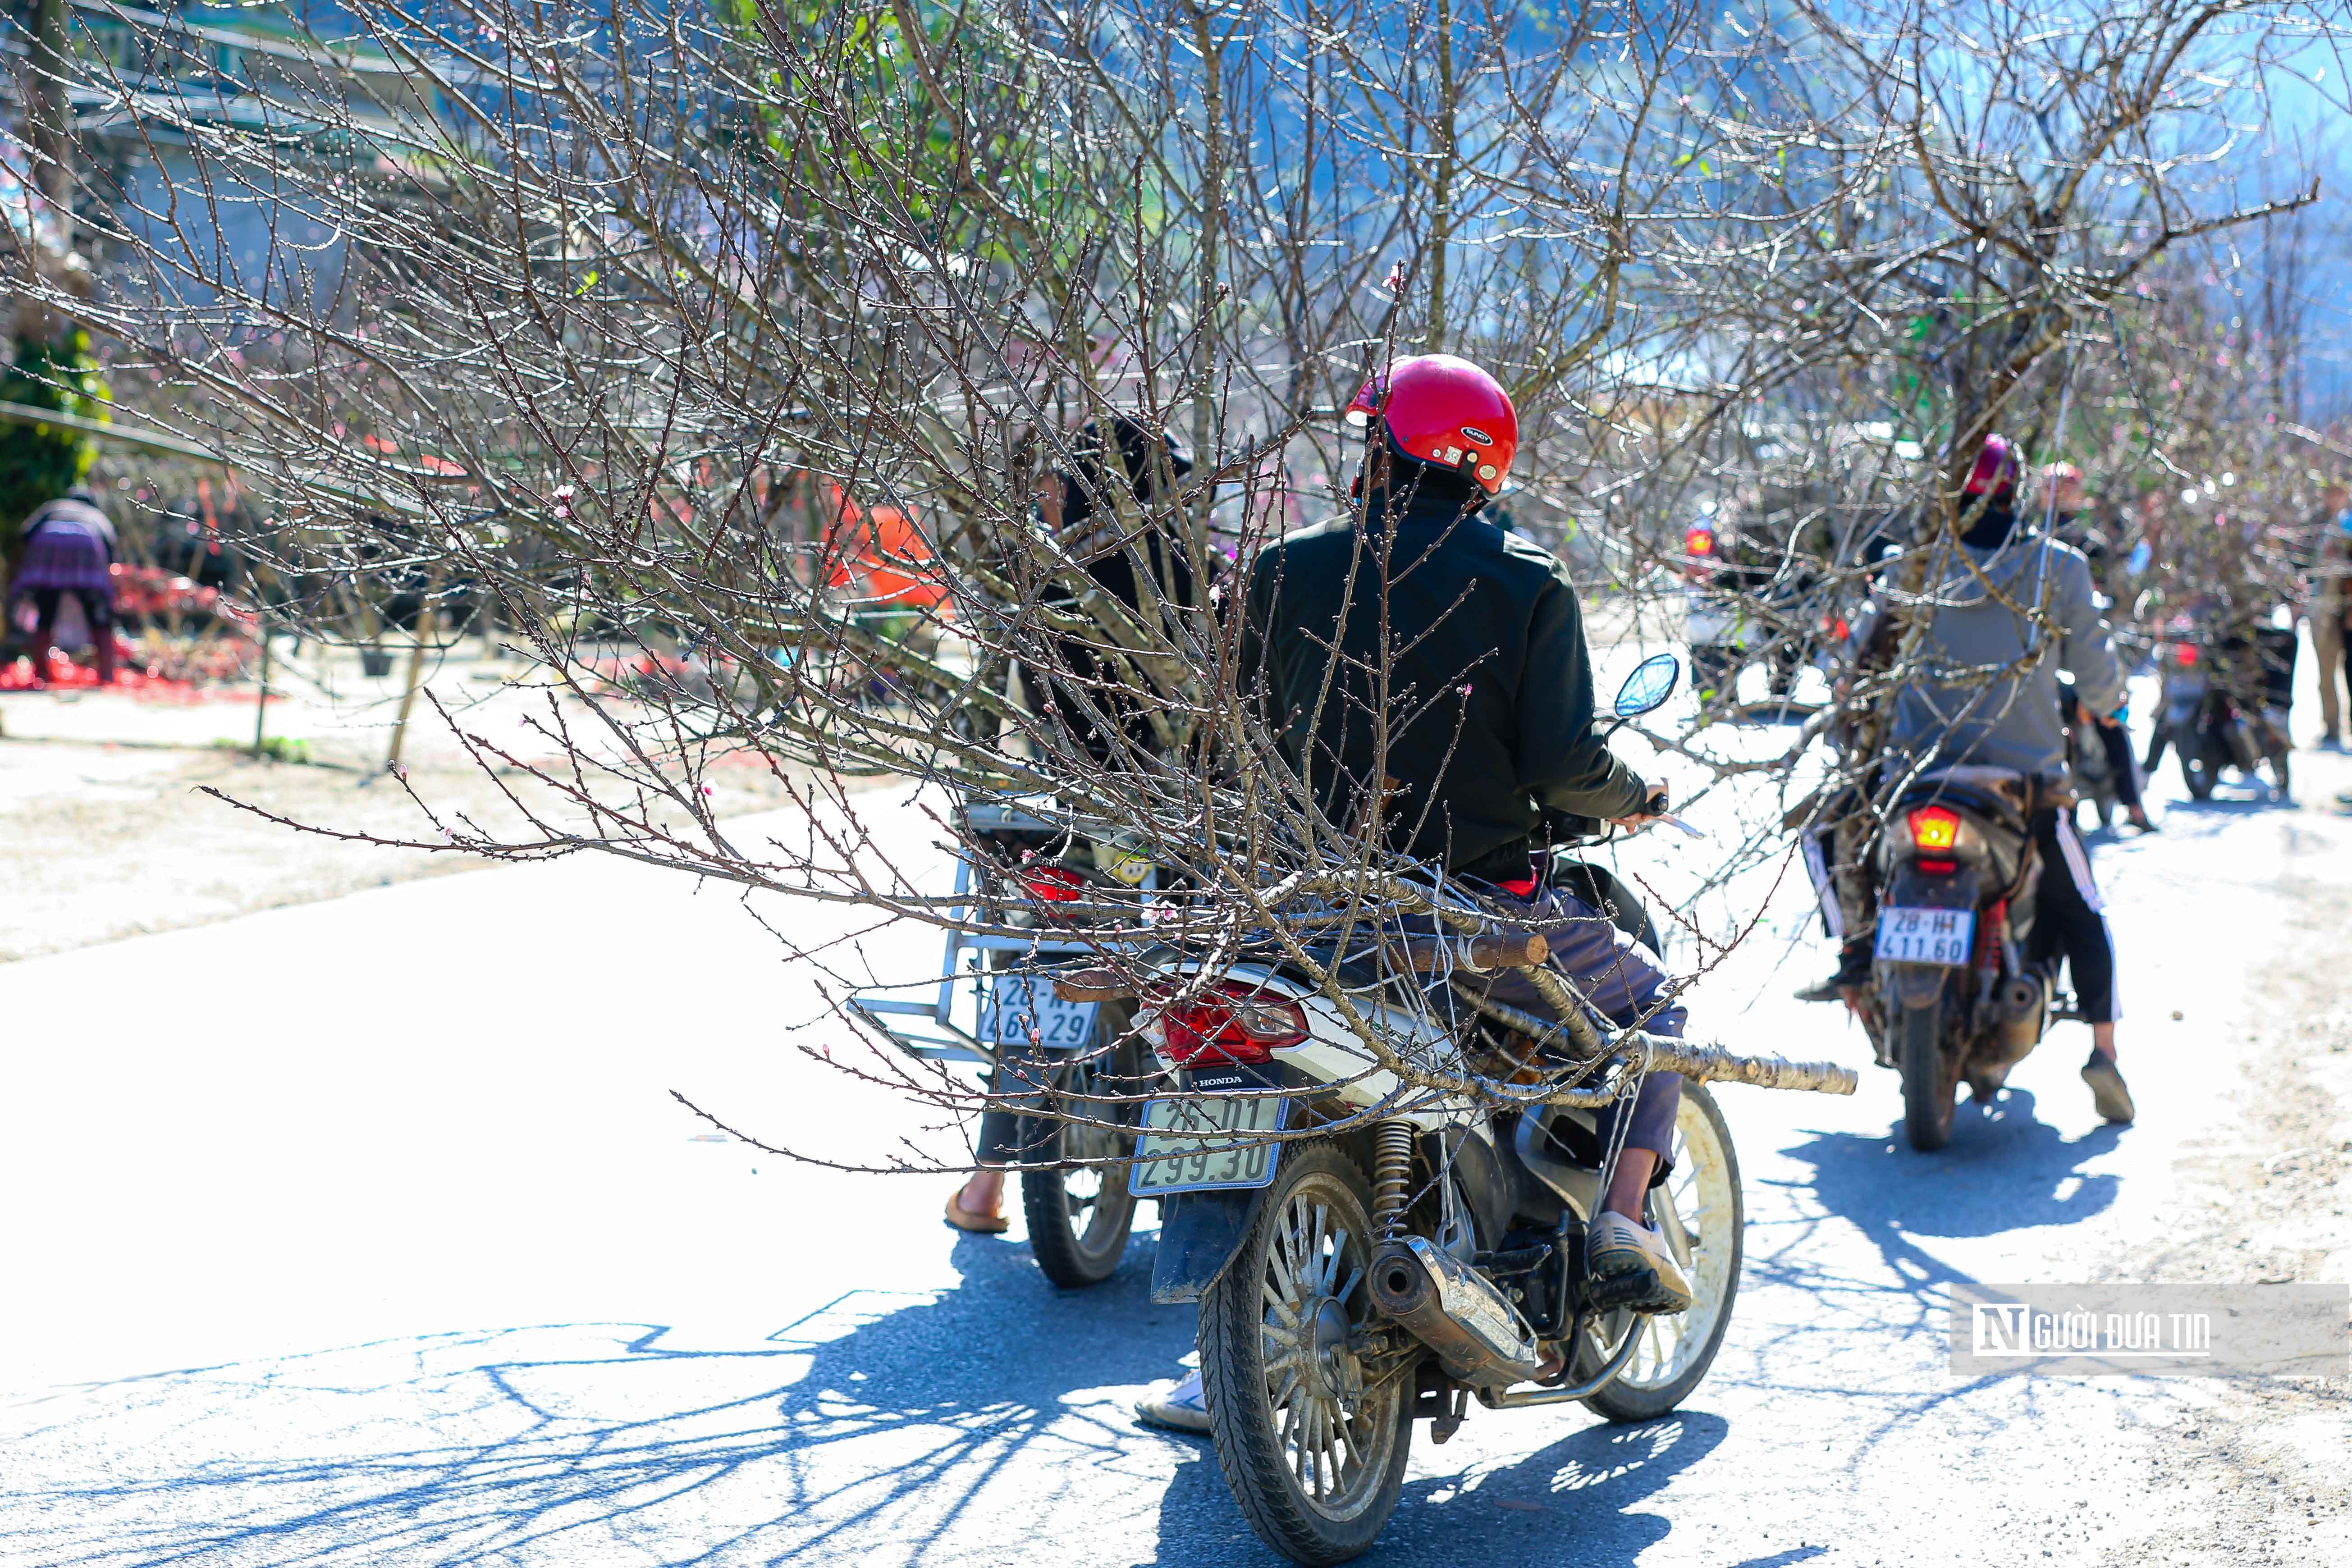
point(1079, 1216)
point(1700, 1210)
point(1315, 1464)
point(1930, 1087)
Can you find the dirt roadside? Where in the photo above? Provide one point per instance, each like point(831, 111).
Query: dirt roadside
point(106, 838)
point(2264, 1200)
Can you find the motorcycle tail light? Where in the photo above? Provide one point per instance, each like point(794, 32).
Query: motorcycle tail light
point(1699, 540)
point(1937, 868)
point(2184, 653)
point(1226, 1022)
point(1053, 884)
point(1935, 827)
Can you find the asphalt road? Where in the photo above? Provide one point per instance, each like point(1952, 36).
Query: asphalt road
point(367, 1232)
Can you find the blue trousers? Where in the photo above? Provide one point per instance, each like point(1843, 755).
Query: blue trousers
point(1624, 980)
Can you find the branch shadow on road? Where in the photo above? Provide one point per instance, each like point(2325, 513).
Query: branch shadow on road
point(2004, 1170)
point(986, 1423)
point(1572, 1501)
point(991, 1416)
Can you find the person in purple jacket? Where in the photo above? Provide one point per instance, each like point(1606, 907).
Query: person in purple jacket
point(68, 547)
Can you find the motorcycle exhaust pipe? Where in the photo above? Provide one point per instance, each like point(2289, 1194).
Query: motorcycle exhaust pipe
point(2020, 997)
point(2023, 1000)
point(1479, 1336)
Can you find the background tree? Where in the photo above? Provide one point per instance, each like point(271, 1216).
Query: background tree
point(640, 327)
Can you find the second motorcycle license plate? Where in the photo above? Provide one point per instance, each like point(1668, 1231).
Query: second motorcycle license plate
point(1021, 1010)
point(1927, 936)
point(1205, 1142)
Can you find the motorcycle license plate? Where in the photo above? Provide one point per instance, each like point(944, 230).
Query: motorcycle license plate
point(1927, 936)
point(1022, 1011)
point(1205, 1142)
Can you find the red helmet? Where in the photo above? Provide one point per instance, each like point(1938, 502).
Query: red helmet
point(1445, 412)
point(1996, 467)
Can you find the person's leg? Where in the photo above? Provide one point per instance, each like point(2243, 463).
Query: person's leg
point(2336, 670)
point(1857, 885)
point(1628, 984)
point(45, 625)
point(2327, 645)
point(979, 1204)
point(1647, 1158)
point(1018, 1083)
point(1853, 958)
point(98, 608)
point(2117, 742)
point(2069, 906)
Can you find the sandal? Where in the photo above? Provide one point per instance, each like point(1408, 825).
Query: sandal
point(963, 1219)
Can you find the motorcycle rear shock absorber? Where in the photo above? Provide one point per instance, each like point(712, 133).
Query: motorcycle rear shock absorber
point(1391, 1173)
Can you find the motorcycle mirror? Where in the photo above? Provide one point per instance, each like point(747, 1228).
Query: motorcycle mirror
point(1652, 682)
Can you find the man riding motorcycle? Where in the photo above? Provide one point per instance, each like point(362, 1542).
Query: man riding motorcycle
point(1486, 716)
point(1951, 714)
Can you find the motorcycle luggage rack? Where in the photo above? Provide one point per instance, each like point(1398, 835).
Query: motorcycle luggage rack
point(928, 1031)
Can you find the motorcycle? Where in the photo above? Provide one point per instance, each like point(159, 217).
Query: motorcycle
point(1952, 996)
point(2224, 706)
point(1367, 1256)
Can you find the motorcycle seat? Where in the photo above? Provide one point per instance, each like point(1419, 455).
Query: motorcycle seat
point(2006, 782)
point(2001, 793)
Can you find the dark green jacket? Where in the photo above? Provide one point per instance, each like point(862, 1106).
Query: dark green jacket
point(1489, 702)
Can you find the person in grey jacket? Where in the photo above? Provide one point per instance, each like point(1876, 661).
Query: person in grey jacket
point(1988, 695)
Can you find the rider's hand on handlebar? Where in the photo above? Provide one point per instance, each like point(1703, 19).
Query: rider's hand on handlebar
point(1653, 806)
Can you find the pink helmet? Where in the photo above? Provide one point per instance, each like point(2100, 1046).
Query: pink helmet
point(1996, 467)
point(1445, 412)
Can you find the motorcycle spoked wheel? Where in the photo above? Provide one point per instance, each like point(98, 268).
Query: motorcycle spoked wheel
point(1079, 1216)
point(1701, 1211)
point(1314, 1463)
point(1931, 1082)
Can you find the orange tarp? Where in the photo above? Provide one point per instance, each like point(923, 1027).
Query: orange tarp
point(878, 552)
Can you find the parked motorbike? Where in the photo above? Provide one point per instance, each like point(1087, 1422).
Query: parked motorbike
point(1365, 1257)
point(2224, 706)
point(1953, 998)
